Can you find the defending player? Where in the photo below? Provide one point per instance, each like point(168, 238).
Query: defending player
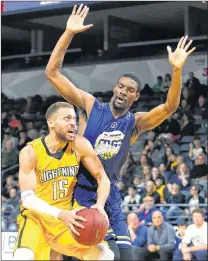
point(47, 176)
point(111, 128)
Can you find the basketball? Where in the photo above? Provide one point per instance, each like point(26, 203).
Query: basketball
point(95, 229)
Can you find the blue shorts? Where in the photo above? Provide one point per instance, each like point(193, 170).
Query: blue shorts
point(118, 228)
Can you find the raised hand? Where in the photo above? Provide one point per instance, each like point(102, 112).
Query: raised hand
point(76, 20)
point(178, 58)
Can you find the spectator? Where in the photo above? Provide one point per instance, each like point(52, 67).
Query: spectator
point(174, 197)
point(161, 238)
point(193, 85)
point(160, 186)
point(131, 198)
point(146, 209)
point(145, 160)
point(194, 199)
point(184, 108)
point(182, 177)
point(146, 172)
point(150, 191)
point(10, 183)
point(167, 82)
point(139, 184)
point(150, 136)
point(181, 228)
point(167, 161)
point(194, 243)
point(155, 173)
point(187, 125)
point(163, 172)
point(200, 111)
point(195, 148)
point(23, 140)
point(200, 171)
point(158, 87)
point(32, 133)
point(14, 198)
point(173, 126)
point(138, 234)
point(9, 157)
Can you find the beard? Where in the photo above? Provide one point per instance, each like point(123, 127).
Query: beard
point(63, 137)
point(118, 107)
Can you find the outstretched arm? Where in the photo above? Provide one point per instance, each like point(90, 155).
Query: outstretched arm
point(150, 120)
point(64, 86)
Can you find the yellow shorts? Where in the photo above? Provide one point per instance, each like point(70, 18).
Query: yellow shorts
point(42, 233)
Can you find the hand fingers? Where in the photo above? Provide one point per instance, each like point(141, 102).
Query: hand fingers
point(85, 13)
point(74, 10)
point(184, 42)
point(86, 27)
point(79, 9)
point(77, 224)
point(179, 43)
point(191, 51)
point(73, 230)
point(83, 10)
point(187, 46)
point(76, 217)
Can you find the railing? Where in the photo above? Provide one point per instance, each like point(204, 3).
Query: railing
point(28, 55)
point(3, 172)
point(155, 42)
point(162, 207)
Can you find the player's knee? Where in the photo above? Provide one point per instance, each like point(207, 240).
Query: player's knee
point(107, 254)
point(24, 254)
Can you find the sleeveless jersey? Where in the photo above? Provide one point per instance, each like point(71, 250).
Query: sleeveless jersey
point(56, 174)
point(110, 139)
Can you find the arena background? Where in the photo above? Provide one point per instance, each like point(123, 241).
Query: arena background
point(126, 36)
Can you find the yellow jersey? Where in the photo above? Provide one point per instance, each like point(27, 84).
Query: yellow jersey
point(56, 174)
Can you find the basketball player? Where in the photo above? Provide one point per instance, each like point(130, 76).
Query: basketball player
point(111, 128)
point(47, 176)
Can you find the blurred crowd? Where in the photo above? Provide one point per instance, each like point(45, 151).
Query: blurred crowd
point(167, 167)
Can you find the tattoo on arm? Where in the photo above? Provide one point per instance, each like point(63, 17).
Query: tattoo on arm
point(59, 54)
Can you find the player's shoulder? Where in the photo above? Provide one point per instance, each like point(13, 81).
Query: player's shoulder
point(82, 143)
point(27, 151)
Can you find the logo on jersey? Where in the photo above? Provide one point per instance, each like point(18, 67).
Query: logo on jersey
point(108, 144)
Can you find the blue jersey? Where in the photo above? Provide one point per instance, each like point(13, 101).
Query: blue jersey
point(110, 139)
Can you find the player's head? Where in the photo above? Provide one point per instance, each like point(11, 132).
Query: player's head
point(126, 91)
point(61, 119)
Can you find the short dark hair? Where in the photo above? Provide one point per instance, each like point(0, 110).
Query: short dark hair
point(197, 138)
point(134, 77)
point(198, 210)
point(159, 78)
point(55, 107)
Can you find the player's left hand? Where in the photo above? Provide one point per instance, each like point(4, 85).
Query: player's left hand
point(178, 58)
point(101, 209)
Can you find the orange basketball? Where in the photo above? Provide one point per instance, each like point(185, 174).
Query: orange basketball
point(95, 229)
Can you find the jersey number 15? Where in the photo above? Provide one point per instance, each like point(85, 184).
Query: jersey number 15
point(60, 189)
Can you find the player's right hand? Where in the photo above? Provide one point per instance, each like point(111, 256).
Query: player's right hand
point(76, 20)
point(70, 219)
